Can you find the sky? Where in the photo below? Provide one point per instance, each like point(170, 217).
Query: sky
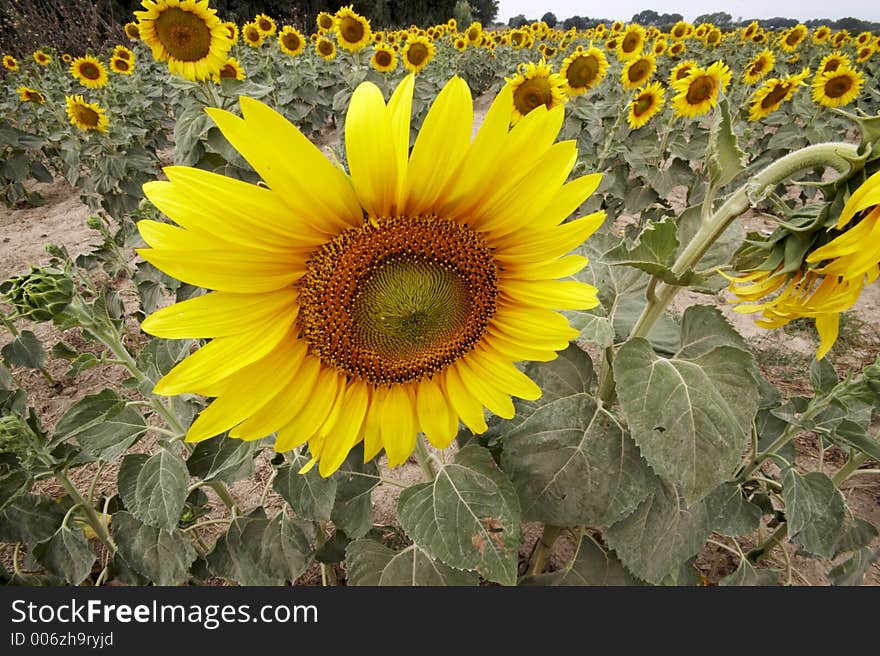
point(690, 9)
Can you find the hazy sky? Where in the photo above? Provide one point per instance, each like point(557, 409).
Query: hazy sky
point(690, 9)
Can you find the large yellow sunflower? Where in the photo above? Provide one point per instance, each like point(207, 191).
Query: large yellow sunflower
point(417, 53)
point(89, 71)
point(583, 70)
point(384, 58)
point(187, 34)
point(697, 93)
point(647, 102)
point(837, 88)
point(378, 304)
point(85, 115)
point(775, 91)
point(637, 71)
point(291, 41)
point(631, 42)
point(352, 30)
point(26, 94)
point(536, 85)
point(758, 67)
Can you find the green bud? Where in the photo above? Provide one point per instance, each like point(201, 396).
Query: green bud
point(39, 295)
point(94, 223)
point(56, 251)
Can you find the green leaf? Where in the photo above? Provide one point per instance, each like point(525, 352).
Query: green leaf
point(721, 250)
point(613, 282)
point(595, 327)
point(823, 377)
point(369, 563)
point(159, 356)
point(653, 252)
point(24, 351)
point(664, 336)
point(222, 458)
point(30, 518)
point(594, 566)
point(724, 158)
point(852, 571)
point(660, 535)
point(468, 517)
point(14, 480)
point(691, 418)
point(164, 557)
point(154, 488)
point(353, 509)
point(850, 434)
point(730, 512)
point(747, 575)
point(857, 534)
point(704, 328)
point(67, 554)
point(102, 424)
point(815, 511)
point(310, 495)
point(259, 551)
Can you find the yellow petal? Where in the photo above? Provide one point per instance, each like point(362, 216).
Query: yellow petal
point(543, 245)
point(465, 404)
point(485, 391)
point(561, 268)
point(304, 425)
point(398, 425)
point(827, 326)
point(346, 432)
point(566, 201)
point(373, 425)
point(437, 419)
point(503, 374)
point(552, 294)
point(866, 195)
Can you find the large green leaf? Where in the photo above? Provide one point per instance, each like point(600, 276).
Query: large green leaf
point(222, 458)
point(664, 336)
point(815, 511)
point(852, 570)
point(353, 509)
point(691, 418)
point(14, 480)
point(660, 535)
point(103, 425)
point(154, 488)
point(653, 252)
point(24, 351)
point(310, 495)
point(594, 565)
point(747, 575)
point(703, 328)
point(67, 554)
point(30, 518)
point(164, 557)
point(730, 512)
point(369, 563)
point(724, 159)
point(468, 517)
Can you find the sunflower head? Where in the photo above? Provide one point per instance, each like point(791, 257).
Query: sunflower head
point(837, 88)
point(676, 49)
point(770, 96)
point(324, 21)
point(659, 47)
point(265, 24)
point(325, 48)
point(231, 31)
point(85, 115)
point(384, 58)
point(749, 31)
point(122, 52)
point(10, 63)
point(132, 31)
point(26, 94)
point(713, 37)
point(534, 85)
point(631, 42)
point(89, 71)
point(758, 67)
point(232, 70)
point(251, 35)
point(121, 65)
point(352, 30)
point(291, 41)
point(647, 102)
point(865, 53)
point(681, 30)
point(840, 38)
point(417, 53)
point(821, 34)
point(637, 71)
point(583, 70)
point(460, 44)
point(42, 58)
point(697, 93)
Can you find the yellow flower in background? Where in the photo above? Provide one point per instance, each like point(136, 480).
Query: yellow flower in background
point(374, 305)
point(89, 71)
point(132, 31)
point(417, 53)
point(325, 48)
point(637, 71)
point(837, 88)
point(121, 65)
point(647, 103)
point(681, 70)
point(384, 58)
point(85, 115)
point(864, 39)
point(833, 278)
point(659, 47)
point(865, 53)
point(681, 30)
point(792, 38)
point(676, 49)
point(832, 62)
point(460, 44)
point(186, 34)
point(821, 34)
point(840, 38)
point(265, 24)
point(631, 42)
point(10, 63)
point(775, 91)
point(231, 31)
point(231, 70)
point(583, 70)
point(66, 58)
point(325, 22)
point(251, 35)
point(536, 85)
point(697, 93)
point(750, 31)
point(26, 94)
point(42, 58)
point(123, 53)
point(713, 37)
point(352, 30)
point(758, 67)
point(291, 41)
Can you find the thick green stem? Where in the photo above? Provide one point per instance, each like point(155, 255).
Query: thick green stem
point(855, 461)
point(424, 458)
point(543, 548)
point(759, 554)
point(223, 492)
point(91, 514)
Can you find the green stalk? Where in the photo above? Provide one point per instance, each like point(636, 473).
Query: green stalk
point(91, 514)
point(543, 548)
point(855, 461)
point(424, 458)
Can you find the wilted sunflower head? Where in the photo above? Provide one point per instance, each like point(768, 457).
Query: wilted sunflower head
point(291, 41)
point(89, 71)
point(352, 30)
point(85, 115)
point(583, 70)
point(536, 85)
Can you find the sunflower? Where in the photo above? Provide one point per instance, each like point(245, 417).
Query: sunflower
point(749, 31)
point(325, 22)
point(417, 53)
point(758, 67)
point(775, 91)
point(42, 58)
point(291, 41)
point(460, 44)
point(84, 115)
point(631, 42)
point(760, 37)
point(697, 93)
point(792, 38)
point(89, 71)
point(676, 49)
point(840, 38)
point(251, 35)
point(637, 71)
point(384, 58)
point(187, 34)
point(372, 306)
point(132, 31)
point(120, 65)
point(325, 48)
point(352, 30)
point(713, 37)
point(659, 47)
point(231, 31)
point(832, 62)
point(682, 70)
point(123, 53)
point(10, 63)
point(231, 70)
point(265, 24)
point(611, 44)
point(617, 26)
point(865, 53)
point(646, 104)
point(473, 32)
point(821, 34)
point(66, 58)
point(837, 88)
point(583, 70)
point(864, 39)
point(681, 30)
point(700, 31)
point(536, 85)
point(26, 94)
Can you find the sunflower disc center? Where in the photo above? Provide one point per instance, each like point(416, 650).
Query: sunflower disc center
point(838, 87)
point(397, 300)
point(700, 90)
point(582, 71)
point(185, 35)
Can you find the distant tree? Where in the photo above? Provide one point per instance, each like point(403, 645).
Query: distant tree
point(646, 17)
point(518, 21)
point(577, 22)
point(716, 18)
point(485, 11)
point(550, 19)
point(463, 14)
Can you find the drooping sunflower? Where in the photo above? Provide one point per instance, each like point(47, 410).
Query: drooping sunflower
point(682, 70)
point(373, 307)
point(384, 58)
point(265, 24)
point(583, 70)
point(10, 63)
point(187, 35)
point(631, 42)
point(832, 62)
point(775, 91)
point(325, 48)
point(533, 86)
point(132, 31)
point(647, 103)
point(837, 88)
point(123, 53)
point(251, 35)
point(89, 71)
point(120, 65)
point(26, 94)
point(352, 30)
point(85, 115)
point(758, 67)
point(325, 22)
point(698, 92)
point(42, 58)
point(831, 278)
point(232, 70)
point(637, 71)
point(417, 53)
point(291, 41)
point(821, 34)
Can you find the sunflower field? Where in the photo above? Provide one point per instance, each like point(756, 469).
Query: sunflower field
point(443, 305)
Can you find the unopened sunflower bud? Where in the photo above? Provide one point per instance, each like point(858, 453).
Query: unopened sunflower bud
point(39, 295)
point(871, 374)
point(94, 222)
point(55, 250)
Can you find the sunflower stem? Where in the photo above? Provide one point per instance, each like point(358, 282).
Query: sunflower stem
point(424, 458)
point(543, 548)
